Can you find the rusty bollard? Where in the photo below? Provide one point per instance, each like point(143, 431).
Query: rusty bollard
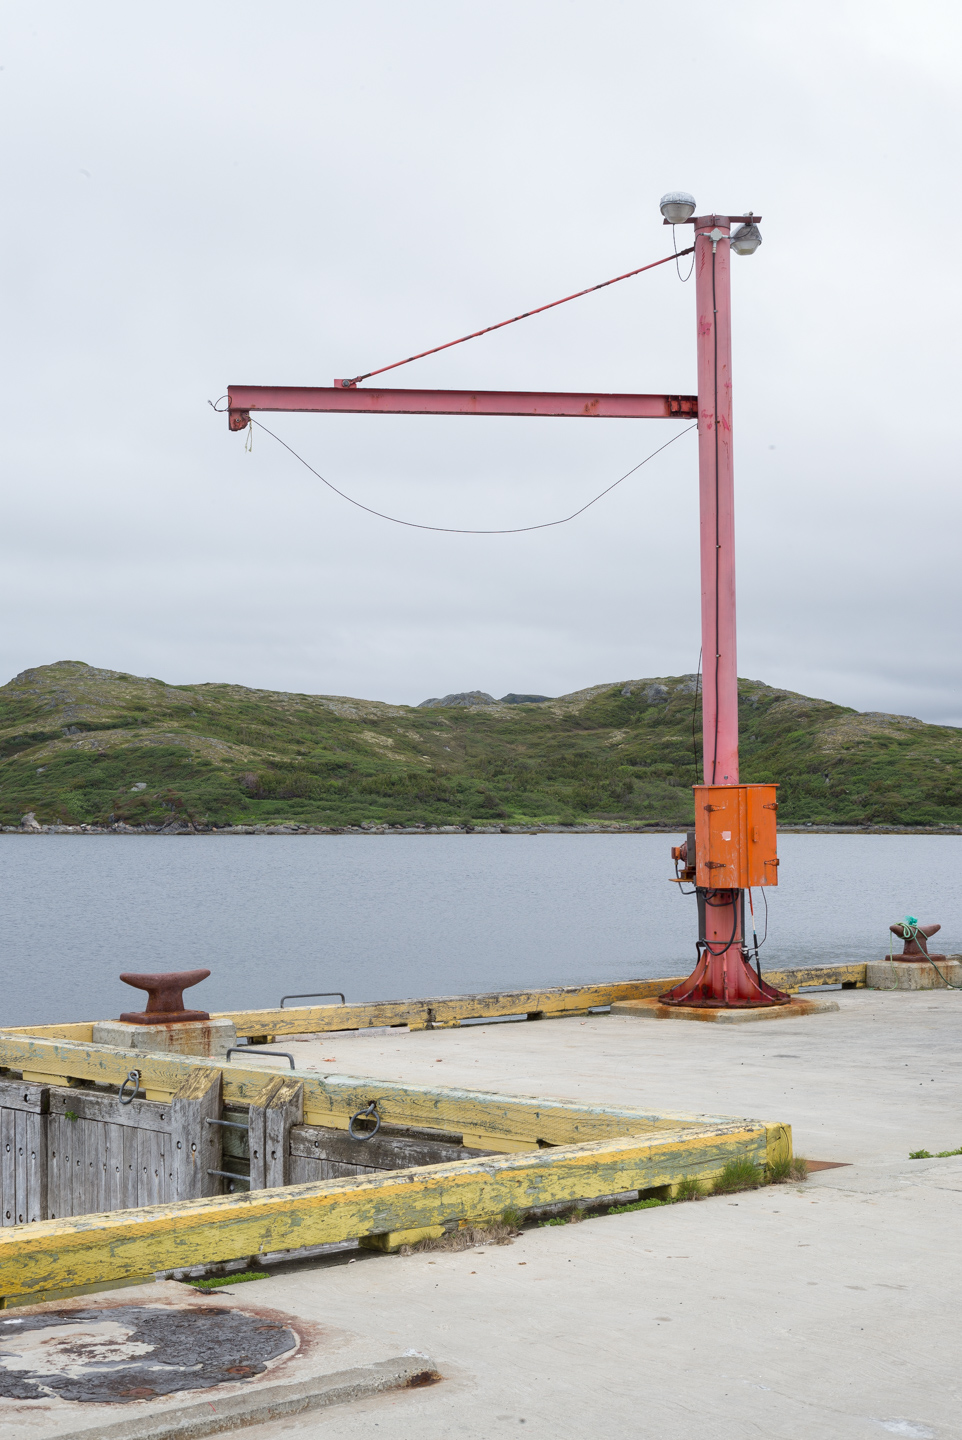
point(165, 997)
point(916, 939)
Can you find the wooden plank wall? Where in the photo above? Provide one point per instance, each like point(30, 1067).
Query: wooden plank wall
point(66, 1151)
point(106, 1156)
point(318, 1153)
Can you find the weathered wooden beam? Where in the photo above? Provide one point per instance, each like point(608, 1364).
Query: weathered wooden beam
point(492, 1121)
point(438, 1011)
point(80, 1031)
point(285, 1109)
point(105, 1106)
point(445, 1010)
point(22, 1095)
point(257, 1132)
point(381, 1152)
point(58, 1254)
point(198, 1146)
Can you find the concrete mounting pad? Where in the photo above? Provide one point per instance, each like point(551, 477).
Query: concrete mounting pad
point(654, 1010)
point(85, 1369)
point(914, 974)
point(183, 1037)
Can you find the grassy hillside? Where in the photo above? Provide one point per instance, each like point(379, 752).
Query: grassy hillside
point(76, 740)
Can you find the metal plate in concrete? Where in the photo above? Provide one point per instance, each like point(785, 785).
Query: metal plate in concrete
point(123, 1353)
point(162, 1362)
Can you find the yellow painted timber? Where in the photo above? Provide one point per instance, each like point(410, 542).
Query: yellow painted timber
point(794, 980)
point(57, 1254)
point(446, 1011)
point(333, 1099)
point(81, 1031)
point(42, 1296)
point(505, 1143)
point(440, 1012)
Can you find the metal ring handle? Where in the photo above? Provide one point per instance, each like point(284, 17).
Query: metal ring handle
point(315, 995)
point(250, 1050)
point(132, 1076)
point(369, 1134)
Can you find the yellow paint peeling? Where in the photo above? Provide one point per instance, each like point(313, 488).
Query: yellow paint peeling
point(53, 1255)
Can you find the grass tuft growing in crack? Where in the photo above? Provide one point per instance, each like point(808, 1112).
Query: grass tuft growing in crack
point(784, 1171)
point(738, 1174)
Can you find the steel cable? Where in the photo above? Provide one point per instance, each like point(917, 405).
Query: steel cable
point(457, 530)
point(525, 316)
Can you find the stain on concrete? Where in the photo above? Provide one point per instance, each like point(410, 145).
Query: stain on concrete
point(134, 1352)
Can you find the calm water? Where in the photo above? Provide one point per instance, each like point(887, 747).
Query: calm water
point(388, 917)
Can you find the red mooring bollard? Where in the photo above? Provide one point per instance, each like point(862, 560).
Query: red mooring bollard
point(165, 997)
point(916, 941)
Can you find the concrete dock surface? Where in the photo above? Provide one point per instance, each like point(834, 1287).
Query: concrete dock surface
point(816, 1311)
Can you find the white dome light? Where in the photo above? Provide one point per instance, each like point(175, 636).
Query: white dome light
point(677, 206)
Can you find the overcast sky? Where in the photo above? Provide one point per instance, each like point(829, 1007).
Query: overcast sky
point(215, 193)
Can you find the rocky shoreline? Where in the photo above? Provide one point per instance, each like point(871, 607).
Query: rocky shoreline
point(29, 825)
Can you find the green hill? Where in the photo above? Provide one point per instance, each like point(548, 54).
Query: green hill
point(75, 741)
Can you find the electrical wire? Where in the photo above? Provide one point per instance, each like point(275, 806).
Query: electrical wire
point(755, 942)
point(678, 254)
point(526, 314)
point(719, 905)
point(456, 530)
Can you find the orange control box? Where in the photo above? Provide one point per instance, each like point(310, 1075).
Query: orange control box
point(735, 836)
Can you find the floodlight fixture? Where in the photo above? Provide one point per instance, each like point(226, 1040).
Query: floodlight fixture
point(677, 206)
point(746, 239)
